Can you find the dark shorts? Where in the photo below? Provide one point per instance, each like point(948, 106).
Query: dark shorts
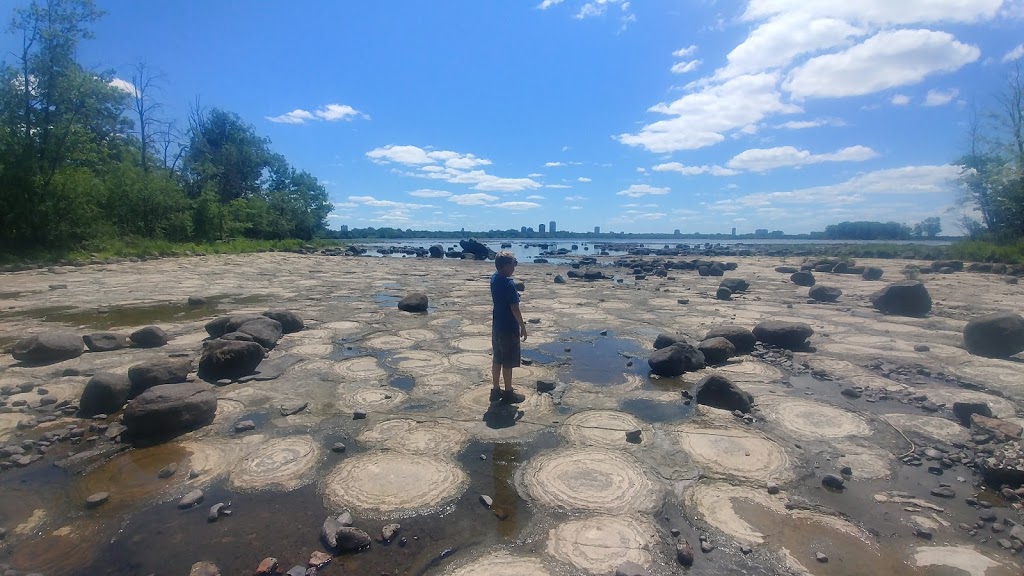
point(505, 349)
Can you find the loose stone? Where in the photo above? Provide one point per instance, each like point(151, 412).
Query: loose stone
point(820, 557)
point(96, 500)
point(245, 426)
point(338, 447)
point(922, 532)
point(191, 499)
point(684, 553)
point(388, 532)
point(267, 567)
point(319, 559)
point(706, 547)
point(833, 481)
point(943, 492)
point(486, 500)
point(773, 488)
point(167, 471)
point(358, 415)
point(216, 511)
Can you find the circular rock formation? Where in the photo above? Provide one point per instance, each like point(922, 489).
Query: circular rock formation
point(417, 362)
point(603, 428)
point(502, 564)
point(363, 368)
point(998, 335)
point(412, 437)
point(588, 479)
point(282, 463)
point(727, 452)
point(473, 344)
point(373, 399)
point(388, 343)
point(389, 484)
point(600, 544)
point(810, 420)
point(471, 360)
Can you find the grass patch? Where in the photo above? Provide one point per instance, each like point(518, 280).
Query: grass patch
point(979, 251)
point(147, 248)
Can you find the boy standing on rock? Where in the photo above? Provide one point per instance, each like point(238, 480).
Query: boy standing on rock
point(507, 328)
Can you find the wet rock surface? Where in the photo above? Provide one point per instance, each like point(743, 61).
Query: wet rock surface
point(574, 472)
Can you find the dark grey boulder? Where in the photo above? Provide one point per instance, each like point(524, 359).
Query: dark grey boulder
point(735, 284)
point(149, 337)
point(105, 341)
point(236, 322)
point(559, 279)
point(825, 293)
point(163, 371)
point(790, 335)
point(169, 410)
point(676, 359)
point(476, 248)
point(787, 269)
point(907, 298)
point(997, 335)
point(719, 392)
point(436, 251)
point(723, 293)
point(48, 348)
point(415, 302)
point(265, 331)
point(104, 393)
point(802, 278)
point(666, 340)
point(742, 338)
point(218, 326)
point(343, 538)
point(872, 273)
point(964, 410)
point(290, 321)
point(228, 359)
point(238, 337)
point(717, 350)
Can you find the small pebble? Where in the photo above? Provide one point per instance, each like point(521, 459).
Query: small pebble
point(358, 415)
point(338, 447)
point(96, 500)
point(820, 557)
point(486, 500)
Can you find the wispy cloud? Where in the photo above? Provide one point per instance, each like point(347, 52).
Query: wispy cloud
point(638, 190)
point(940, 97)
point(326, 113)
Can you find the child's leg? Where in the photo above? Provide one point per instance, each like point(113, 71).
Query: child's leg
point(506, 373)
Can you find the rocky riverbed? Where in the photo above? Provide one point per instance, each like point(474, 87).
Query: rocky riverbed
point(876, 442)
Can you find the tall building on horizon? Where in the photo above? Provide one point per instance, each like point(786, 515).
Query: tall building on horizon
point(551, 227)
point(522, 230)
point(677, 232)
point(344, 228)
point(540, 227)
point(734, 231)
point(597, 229)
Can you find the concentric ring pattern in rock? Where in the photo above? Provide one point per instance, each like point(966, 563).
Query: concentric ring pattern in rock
point(593, 479)
point(412, 437)
point(809, 420)
point(733, 452)
point(603, 428)
point(501, 563)
point(391, 484)
point(598, 545)
point(281, 463)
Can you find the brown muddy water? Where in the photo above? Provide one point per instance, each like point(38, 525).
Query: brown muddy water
point(570, 495)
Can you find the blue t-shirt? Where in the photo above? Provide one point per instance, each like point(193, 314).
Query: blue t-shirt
point(504, 295)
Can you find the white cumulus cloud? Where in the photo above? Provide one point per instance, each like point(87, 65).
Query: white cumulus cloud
point(122, 85)
point(427, 193)
point(889, 59)
point(900, 100)
point(763, 159)
point(940, 97)
point(684, 52)
point(326, 113)
point(1014, 54)
point(472, 199)
point(684, 67)
point(638, 190)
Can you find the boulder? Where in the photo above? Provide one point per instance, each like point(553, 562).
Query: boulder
point(229, 359)
point(717, 350)
point(787, 269)
point(415, 302)
point(217, 327)
point(169, 410)
point(235, 322)
point(238, 337)
point(997, 335)
point(676, 359)
point(907, 298)
point(104, 393)
point(789, 335)
point(48, 348)
point(964, 410)
point(149, 337)
point(719, 392)
point(1005, 465)
point(105, 341)
point(666, 340)
point(265, 331)
point(1001, 430)
point(723, 293)
point(436, 251)
point(740, 337)
point(341, 538)
point(802, 278)
point(163, 371)
point(824, 293)
point(290, 321)
point(872, 273)
point(476, 248)
point(559, 279)
point(716, 270)
point(594, 275)
point(735, 284)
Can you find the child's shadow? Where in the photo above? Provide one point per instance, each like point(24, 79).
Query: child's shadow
point(500, 415)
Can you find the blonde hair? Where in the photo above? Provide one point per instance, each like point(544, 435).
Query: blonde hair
point(504, 258)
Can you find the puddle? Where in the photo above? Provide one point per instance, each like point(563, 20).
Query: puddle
point(403, 383)
point(105, 318)
point(847, 554)
point(592, 358)
point(131, 478)
point(656, 412)
point(386, 300)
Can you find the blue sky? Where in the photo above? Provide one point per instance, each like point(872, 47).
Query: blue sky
point(633, 116)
